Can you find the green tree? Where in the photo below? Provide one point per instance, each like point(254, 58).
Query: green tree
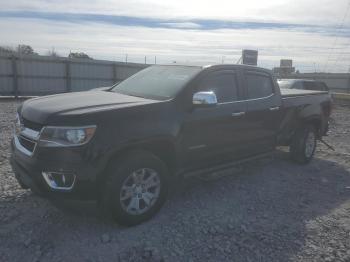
point(25, 50)
point(79, 55)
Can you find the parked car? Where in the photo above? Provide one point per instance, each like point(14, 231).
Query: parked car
point(305, 84)
point(125, 146)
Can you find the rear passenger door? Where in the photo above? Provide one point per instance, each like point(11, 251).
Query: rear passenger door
point(263, 113)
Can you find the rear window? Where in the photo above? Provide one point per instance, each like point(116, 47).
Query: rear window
point(298, 85)
point(258, 85)
point(323, 86)
point(311, 86)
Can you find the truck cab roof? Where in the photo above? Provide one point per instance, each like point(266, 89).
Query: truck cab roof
point(241, 66)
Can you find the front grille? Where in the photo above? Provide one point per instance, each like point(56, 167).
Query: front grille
point(31, 125)
point(27, 143)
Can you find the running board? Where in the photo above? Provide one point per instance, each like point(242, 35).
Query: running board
point(219, 170)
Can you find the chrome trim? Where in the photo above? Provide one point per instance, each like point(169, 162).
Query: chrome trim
point(304, 95)
point(197, 147)
point(70, 127)
point(247, 100)
point(274, 108)
point(52, 184)
point(26, 134)
point(22, 148)
point(204, 98)
point(238, 114)
point(30, 133)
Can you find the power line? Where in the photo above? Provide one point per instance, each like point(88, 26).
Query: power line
point(336, 38)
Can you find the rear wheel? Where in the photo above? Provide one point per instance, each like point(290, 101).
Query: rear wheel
point(136, 188)
point(303, 146)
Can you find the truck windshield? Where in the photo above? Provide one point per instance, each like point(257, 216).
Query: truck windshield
point(157, 82)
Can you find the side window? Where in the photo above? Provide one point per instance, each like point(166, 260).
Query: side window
point(323, 86)
point(223, 84)
point(298, 85)
point(310, 85)
point(258, 85)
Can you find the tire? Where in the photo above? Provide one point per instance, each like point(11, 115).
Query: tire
point(127, 198)
point(303, 146)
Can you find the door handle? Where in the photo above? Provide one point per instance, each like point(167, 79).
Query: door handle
point(274, 108)
point(238, 114)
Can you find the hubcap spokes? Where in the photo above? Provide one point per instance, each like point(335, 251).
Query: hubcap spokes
point(140, 191)
point(310, 144)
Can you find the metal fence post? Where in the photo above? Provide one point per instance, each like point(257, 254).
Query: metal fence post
point(115, 77)
point(14, 76)
point(68, 77)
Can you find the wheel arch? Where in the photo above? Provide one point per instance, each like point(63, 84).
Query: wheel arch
point(164, 149)
point(316, 122)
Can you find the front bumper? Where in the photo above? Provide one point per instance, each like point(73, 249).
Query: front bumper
point(29, 170)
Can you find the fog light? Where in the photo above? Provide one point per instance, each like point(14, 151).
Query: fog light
point(59, 180)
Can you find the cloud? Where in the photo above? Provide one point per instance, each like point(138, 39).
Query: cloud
point(200, 24)
point(201, 32)
point(183, 25)
point(319, 12)
point(112, 42)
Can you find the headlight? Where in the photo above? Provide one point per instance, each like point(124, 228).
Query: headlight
point(66, 136)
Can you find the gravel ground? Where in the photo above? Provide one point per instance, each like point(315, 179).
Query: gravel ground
point(272, 210)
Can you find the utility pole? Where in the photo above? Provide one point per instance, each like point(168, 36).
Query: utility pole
point(15, 76)
point(126, 58)
point(155, 60)
point(145, 59)
point(349, 82)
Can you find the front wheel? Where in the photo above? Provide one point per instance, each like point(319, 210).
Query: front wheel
point(303, 146)
point(136, 188)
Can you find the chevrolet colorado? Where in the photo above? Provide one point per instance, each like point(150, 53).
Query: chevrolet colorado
point(124, 145)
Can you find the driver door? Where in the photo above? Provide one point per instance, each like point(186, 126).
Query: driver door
point(211, 135)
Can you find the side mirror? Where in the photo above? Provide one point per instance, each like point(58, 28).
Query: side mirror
point(204, 99)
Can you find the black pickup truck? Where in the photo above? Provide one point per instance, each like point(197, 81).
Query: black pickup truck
point(125, 145)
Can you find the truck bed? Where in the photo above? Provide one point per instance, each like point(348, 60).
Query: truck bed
point(299, 98)
point(285, 92)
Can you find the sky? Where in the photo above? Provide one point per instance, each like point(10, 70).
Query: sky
point(314, 33)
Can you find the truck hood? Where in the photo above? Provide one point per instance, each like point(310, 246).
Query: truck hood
point(40, 109)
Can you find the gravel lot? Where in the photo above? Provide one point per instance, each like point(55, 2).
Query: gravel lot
point(271, 210)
